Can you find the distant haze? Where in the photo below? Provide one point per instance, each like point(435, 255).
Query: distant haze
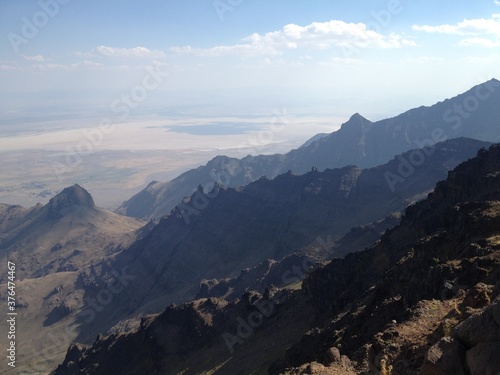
point(330, 58)
point(197, 79)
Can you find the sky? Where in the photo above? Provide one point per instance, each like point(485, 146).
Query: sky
point(75, 59)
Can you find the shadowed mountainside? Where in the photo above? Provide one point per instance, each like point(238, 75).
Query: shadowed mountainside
point(268, 219)
point(294, 267)
point(473, 114)
point(421, 300)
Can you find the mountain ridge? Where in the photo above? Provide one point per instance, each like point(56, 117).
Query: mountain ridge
point(217, 234)
point(424, 300)
point(360, 142)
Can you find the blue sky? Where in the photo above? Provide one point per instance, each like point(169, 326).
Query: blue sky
point(338, 57)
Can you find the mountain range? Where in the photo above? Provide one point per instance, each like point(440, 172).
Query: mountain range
point(268, 219)
point(424, 299)
point(236, 238)
point(86, 270)
point(473, 114)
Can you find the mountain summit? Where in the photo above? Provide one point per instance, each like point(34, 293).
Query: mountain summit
point(357, 119)
point(70, 197)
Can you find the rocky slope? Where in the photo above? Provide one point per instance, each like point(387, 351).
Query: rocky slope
point(422, 300)
point(64, 235)
point(292, 269)
point(216, 235)
point(50, 246)
point(76, 279)
point(360, 142)
point(439, 266)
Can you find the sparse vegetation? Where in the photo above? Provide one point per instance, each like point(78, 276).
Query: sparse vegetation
point(447, 328)
point(384, 368)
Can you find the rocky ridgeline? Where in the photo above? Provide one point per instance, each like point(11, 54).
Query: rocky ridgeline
point(358, 142)
point(215, 235)
point(423, 300)
point(444, 250)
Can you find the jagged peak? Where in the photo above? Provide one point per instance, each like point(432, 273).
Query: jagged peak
point(71, 196)
point(355, 121)
point(357, 117)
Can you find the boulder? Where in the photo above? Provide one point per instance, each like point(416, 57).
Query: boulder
point(484, 359)
point(333, 355)
point(479, 296)
point(444, 358)
point(480, 327)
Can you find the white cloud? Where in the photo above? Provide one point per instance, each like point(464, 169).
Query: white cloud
point(266, 61)
point(344, 61)
point(7, 68)
point(497, 2)
point(49, 67)
point(479, 42)
point(481, 60)
point(478, 26)
point(479, 29)
point(84, 65)
point(36, 58)
point(88, 64)
point(136, 52)
point(316, 36)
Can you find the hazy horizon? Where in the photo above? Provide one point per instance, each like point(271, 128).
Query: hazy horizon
point(203, 78)
point(332, 57)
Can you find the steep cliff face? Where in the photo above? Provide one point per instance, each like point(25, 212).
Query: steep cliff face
point(418, 300)
point(216, 235)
